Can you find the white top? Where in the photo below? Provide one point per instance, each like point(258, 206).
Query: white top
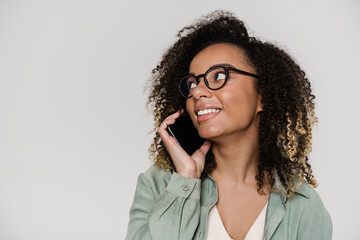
point(216, 229)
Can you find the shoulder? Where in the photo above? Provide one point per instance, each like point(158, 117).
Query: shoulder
point(307, 197)
point(306, 190)
point(313, 214)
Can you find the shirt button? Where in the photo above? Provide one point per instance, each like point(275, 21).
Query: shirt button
point(201, 234)
point(185, 187)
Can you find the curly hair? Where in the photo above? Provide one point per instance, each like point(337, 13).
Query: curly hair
point(286, 122)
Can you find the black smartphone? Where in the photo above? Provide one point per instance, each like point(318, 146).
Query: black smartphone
point(186, 134)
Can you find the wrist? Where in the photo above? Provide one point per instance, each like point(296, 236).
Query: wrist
point(189, 174)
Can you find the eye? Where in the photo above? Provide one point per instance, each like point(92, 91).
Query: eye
point(220, 76)
point(191, 84)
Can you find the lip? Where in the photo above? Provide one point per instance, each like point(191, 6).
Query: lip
point(208, 116)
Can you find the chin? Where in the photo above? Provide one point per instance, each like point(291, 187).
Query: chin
point(209, 133)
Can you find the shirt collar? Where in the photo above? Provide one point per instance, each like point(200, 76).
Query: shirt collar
point(279, 188)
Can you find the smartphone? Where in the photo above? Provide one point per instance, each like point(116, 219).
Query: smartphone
point(186, 134)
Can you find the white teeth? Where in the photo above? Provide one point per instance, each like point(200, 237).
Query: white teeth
point(207, 111)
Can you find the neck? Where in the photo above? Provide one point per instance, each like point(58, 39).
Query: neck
point(236, 156)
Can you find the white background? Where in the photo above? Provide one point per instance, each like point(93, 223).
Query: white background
point(74, 128)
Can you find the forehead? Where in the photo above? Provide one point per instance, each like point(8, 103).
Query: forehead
point(220, 53)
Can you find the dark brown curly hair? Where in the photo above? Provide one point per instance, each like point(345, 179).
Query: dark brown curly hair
point(287, 118)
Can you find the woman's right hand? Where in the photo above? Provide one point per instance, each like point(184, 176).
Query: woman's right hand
point(187, 166)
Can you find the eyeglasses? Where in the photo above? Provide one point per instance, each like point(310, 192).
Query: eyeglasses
point(214, 78)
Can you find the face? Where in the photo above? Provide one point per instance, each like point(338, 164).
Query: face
point(231, 109)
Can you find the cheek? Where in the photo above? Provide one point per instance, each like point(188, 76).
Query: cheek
point(190, 110)
point(189, 106)
point(239, 102)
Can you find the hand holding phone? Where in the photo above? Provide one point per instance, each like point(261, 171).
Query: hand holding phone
point(188, 165)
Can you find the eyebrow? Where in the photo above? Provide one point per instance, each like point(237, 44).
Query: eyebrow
point(218, 65)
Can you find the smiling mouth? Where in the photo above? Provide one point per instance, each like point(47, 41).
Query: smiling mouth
point(207, 111)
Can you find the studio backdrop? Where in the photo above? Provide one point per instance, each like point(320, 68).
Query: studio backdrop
point(75, 129)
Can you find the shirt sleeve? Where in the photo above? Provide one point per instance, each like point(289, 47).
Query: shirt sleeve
point(175, 214)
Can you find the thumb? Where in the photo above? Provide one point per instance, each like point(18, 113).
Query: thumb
point(205, 147)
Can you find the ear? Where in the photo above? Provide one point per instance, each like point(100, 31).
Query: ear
point(259, 104)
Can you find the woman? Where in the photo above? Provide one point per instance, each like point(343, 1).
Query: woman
point(251, 178)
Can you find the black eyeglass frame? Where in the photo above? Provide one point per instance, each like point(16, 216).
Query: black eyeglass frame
point(226, 68)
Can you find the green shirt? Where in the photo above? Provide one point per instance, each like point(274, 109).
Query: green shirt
point(168, 206)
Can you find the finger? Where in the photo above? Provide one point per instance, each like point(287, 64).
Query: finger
point(206, 146)
point(168, 121)
point(174, 115)
point(200, 155)
point(162, 130)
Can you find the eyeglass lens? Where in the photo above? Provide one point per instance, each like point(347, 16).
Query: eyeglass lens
point(214, 79)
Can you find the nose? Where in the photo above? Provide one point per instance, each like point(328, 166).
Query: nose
point(201, 90)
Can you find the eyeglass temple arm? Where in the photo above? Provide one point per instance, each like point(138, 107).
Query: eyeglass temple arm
point(243, 72)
